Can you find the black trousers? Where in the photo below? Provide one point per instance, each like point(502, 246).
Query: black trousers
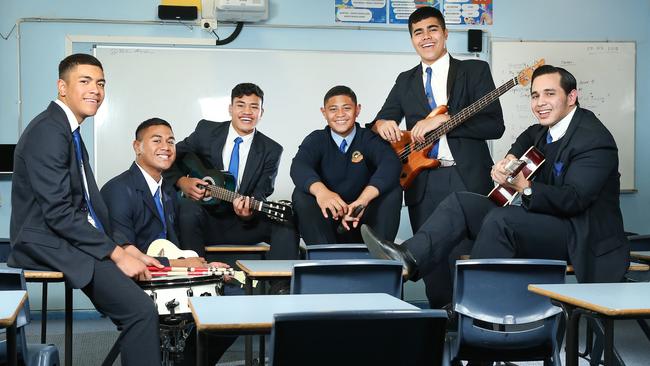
point(440, 183)
point(199, 227)
point(127, 305)
point(382, 214)
point(498, 232)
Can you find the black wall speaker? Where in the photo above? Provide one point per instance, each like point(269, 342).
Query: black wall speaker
point(474, 40)
point(174, 12)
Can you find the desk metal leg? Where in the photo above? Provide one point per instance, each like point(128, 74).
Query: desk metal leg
point(248, 339)
point(68, 325)
point(200, 354)
point(44, 313)
point(608, 324)
point(262, 350)
point(572, 336)
point(12, 357)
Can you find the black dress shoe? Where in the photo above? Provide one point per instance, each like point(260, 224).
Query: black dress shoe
point(384, 249)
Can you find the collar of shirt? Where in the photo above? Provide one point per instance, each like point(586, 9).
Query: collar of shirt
point(338, 139)
point(151, 183)
point(72, 120)
point(439, 74)
point(232, 134)
point(558, 130)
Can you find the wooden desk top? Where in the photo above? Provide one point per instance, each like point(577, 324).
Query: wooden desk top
point(254, 313)
point(255, 248)
point(611, 299)
point(10, 304)
point(643, 255)
point(34, 275)
point(268, 268)
point(255, 268)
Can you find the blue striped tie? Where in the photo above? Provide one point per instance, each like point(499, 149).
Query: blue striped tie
point(76, 137)
point(161, 213)
point(233, 167)
point(432, 103)
point(344, 144)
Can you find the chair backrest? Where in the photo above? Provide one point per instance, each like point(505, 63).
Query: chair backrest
point(407, 337)
point(347, 276)
point(496, 290)
point(14, 279)
point(337, 251)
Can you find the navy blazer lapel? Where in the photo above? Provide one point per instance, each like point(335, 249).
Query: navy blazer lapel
point(451, 76)
point(140, 185)
point(218, 138)
point(417, 88)
point(253, 163)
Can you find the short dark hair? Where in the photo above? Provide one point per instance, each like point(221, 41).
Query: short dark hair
point(567, 80)
point(148, 123)
point(246, 89)
point(340, 90)
point(72, 61)
point(423, 13)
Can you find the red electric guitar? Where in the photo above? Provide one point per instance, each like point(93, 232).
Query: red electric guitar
point(528, 164)
point(414, 155)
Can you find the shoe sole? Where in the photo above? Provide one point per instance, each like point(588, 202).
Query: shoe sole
point(375, 251)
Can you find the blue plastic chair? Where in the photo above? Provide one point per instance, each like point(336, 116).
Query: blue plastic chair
point(498, 318)
point(347, 276)
point(337, 251)
point(405, 337)
point(37, 354)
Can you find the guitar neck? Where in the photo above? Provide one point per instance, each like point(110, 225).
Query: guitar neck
point(229, 196)
point(467, 112)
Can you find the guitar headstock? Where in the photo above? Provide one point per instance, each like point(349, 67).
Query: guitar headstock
point(278, 211)
point(526, 74)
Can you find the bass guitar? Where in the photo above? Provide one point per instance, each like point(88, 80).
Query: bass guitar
point(221, 188)
point(415, 155)
point(528, 165)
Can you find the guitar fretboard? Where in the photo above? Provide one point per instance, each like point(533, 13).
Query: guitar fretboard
point(229, 196)
point(466, 113)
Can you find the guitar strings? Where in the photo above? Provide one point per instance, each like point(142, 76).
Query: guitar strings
point(432, 136)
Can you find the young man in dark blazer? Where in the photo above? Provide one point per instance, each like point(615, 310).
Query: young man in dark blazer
point(463, 152)
point(570, 211)
point(250, 156)
point(131, 199)
point(340, 168)
point(59, 220)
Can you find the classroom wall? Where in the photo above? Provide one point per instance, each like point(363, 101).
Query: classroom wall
point(42, 47)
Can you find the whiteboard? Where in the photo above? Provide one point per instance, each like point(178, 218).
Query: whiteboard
point(183, 85)
point(605, 72)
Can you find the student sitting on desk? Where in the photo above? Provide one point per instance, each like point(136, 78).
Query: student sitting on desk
point(341, 169)
point(570, 211)
point(142, 207)
point(60, 222)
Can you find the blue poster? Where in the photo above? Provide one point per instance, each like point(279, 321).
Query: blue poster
point(361, 11)
point(468, 12)
point(399, 10)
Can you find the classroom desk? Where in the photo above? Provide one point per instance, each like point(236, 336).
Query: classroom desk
point(253, 314)
point(608, 301)
point(10, 304)
point(45, 277)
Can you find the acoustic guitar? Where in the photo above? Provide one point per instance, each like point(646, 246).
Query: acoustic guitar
point(222, 189)
point(414, 155)
point(528, 165)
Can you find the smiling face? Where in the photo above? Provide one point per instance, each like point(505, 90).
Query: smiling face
point(341, 113)
point(429, 39)
point(82, 90)
point(155, 149)
point(246, 112)
point(548, 101)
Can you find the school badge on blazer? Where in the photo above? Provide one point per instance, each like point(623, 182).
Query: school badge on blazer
point(357, 156)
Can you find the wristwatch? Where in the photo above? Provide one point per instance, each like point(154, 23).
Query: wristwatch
point(528, 191)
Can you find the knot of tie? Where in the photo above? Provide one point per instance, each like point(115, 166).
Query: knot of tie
point(344, 144)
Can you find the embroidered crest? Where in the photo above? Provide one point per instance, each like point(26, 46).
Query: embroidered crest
point(357, 156)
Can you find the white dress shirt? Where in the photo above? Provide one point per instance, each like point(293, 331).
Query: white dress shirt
point(439, 73)
point(244, 149)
